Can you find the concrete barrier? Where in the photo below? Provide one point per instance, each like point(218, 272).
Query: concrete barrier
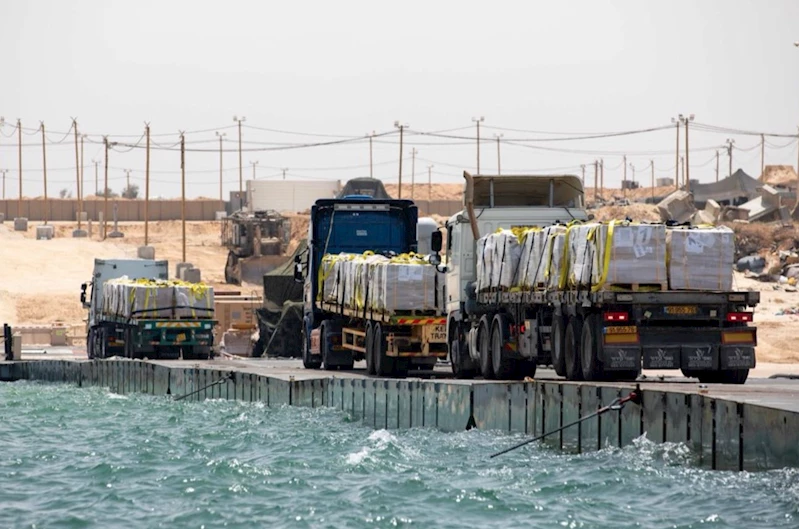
point(724, 434)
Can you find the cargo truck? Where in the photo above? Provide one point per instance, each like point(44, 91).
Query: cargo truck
point(335, 335)
point(170, 329)
point(584, 334)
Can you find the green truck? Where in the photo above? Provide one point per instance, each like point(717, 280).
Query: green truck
point(134, 311)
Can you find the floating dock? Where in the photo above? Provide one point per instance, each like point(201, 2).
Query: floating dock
point(749, 427)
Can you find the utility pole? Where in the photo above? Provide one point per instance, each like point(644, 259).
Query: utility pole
point(371, 165)
point(624, 176)
point(399, 183)
point(414, 152)
point(96, 178)
point(241, 177)
point(77, 167)
point(220, 135)
point(762, 158)
point(183, 190)
point(255, 163)
point(82, 171)
point(717, 165)
point(652, 165)
point(429, 184)
point(686, 173)
point(682, 164)
point(284, 172)
point(602, 175)
point(582, 168)
point(19, 161)
point(4, 171)
point(499, 166)
point(127, 182)
point(730, 143)
point(147, 187)
point(676, 122)
point(105, 190)
point(44, 174)
point(596, 181)
point(632, 168)
point(478, 121)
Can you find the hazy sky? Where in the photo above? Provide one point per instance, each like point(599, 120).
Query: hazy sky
point(350, 67)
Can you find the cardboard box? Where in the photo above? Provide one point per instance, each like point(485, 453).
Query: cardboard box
point(235, 312)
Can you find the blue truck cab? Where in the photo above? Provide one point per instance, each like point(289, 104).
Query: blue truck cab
point(351, 224)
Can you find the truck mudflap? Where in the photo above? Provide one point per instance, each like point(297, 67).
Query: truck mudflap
point(688, 357)
point(621, 358)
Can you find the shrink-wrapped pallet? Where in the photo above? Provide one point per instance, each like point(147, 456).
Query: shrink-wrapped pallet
point(700, 258)
point(505, 263)
point(411, 286)
point(194, 300)
point(536, 250)
point(498, 256)
point(361, 280)
point(556, 246)
point(332, 276)
point(616, 253)
point(485, 258)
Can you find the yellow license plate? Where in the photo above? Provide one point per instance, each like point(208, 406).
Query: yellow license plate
point(621, 329)
point(180, 337)
point(682, 310)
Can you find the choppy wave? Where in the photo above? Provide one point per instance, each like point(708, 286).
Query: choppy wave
point(86, 458)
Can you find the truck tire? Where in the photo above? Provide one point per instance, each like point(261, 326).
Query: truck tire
point(557, 341)
point(502, 365)
point(90, 345)
point(308, 361)
point(370, 349)
point(324, 345)
point(589, 349)
point(384, 364)
point(484, 346)
point(571, 349)
point(730, 376)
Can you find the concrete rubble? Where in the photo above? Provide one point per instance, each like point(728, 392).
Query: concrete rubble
point(678, 207)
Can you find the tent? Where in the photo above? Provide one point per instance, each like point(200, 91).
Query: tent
point(279, 285)
point(732, 191)
point(370, 187)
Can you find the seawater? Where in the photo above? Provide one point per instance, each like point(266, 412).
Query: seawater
point(78, 458)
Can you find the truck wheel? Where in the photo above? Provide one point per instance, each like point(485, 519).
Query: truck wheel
point(557, 340)
point(733, 376)
point(370, 349)
point(503, 366)
point(484, 344)
point(90, 344)
point(384, 364)
point(571, 349)
point(308, 361)
point(102, 337)
point(589, 349)
point(325, 347)
point(459, 358)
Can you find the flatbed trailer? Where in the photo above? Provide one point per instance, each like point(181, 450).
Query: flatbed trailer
point(190, 339)
point(613, 335)
point(391, 344)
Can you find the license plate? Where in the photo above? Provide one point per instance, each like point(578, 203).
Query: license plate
point(621, 329)
point(180, 337)
point(682, 310)
point(437, 334)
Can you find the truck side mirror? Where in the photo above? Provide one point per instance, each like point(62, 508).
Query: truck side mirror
point(83, 293)
point(297, 259)
point(298, 277)
point(436, 241)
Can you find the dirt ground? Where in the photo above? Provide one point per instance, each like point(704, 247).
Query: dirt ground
point(40, 280)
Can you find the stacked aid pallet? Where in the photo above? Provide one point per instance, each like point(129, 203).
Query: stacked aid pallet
point(388, 284)
point(610, 255)
point(157, 299)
